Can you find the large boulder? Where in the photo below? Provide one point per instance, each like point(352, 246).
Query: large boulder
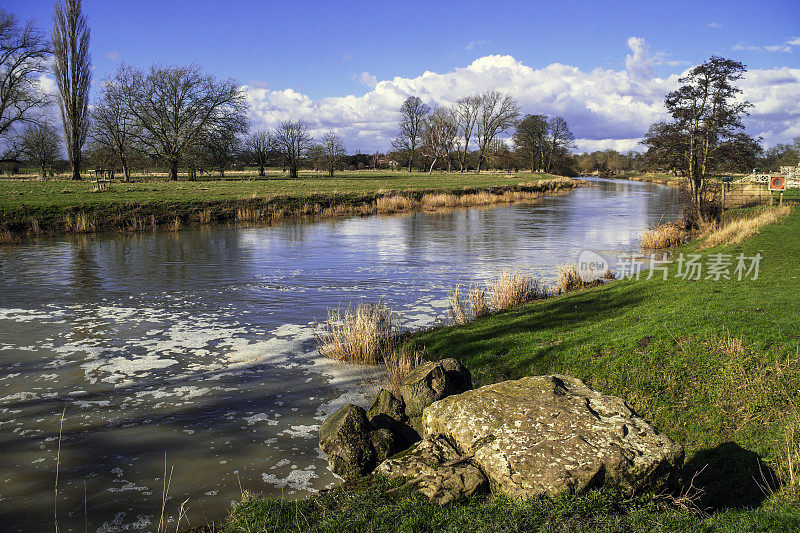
point(553, 434)
point(353, 445)
point(388, 412)
point(433, 466)
point(430, 382)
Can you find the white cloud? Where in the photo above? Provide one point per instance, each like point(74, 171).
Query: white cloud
point(604, 108)
point(365, 78)
point(714, 25)
point(739, 47)
point(786, 47)
point(112, 55)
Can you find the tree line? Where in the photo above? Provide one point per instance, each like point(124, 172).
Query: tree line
point(180, 117)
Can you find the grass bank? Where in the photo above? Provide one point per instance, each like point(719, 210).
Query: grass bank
point(30, 208)
point(713, 364)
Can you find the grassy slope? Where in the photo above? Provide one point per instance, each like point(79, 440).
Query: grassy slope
point(665, 346)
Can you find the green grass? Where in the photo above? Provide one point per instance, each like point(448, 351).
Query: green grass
point(32, 207)
point(714, 365)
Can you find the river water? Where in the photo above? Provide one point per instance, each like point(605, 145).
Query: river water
point(199, 346)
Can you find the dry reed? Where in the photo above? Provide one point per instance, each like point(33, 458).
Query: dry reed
point(364, 335)
point(663, 237)
point(569, 279)
point(515, 287)
point(400, 363)
point(740, 229)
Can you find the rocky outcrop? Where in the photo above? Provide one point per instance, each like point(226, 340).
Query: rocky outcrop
point(356, 441)
point(436, 469)
point(430, 382)
point(353, 445)
point(553, 434)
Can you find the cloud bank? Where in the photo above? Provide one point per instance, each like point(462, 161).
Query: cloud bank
point(604, 108)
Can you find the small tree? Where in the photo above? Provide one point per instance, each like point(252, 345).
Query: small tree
point(707, 113)
point(440, 133)
point(258, 145)
point(465, 113)
point(497, 114)
point(560, 140)
point(292, 140)
point(530, 138)
point(333, 152)
point(412, 120)
point(112, 121)
point(72, 68)
point(41, 146)
point(221, 148)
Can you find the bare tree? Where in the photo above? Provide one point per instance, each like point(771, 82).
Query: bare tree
point(258, 145)
point(440, 132)
point(221, 147)
point(531, 141)
point(559, 139)
point(72, 67)
point(412, 119)
point(176, 107)
point(292, 139)
point(23, 50)
point(112, 121)
point(41, 146)
point(465, 113)
point(333, 151)
point(497, 114)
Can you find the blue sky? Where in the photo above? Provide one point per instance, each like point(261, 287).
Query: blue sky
point(321, 50)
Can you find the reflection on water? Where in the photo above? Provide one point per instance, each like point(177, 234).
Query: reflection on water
point(199, 345)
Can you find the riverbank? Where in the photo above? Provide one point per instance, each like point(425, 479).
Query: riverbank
point(712, 363)
point(30, 209)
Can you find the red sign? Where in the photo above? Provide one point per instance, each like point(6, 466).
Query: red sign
point(777, 183)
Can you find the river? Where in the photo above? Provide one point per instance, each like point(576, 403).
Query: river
point(199, 346)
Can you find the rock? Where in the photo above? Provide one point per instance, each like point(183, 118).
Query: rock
point(353, 445)
point(423, 466)
point(553, 434)
point(387, 412)
point(430, 382)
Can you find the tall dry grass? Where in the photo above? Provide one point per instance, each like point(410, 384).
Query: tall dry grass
point(569, 279)
point(399, 364)
point(515, 287)
point(364, 335)
point(663, 237)
point(740, 229)
point(475, 306)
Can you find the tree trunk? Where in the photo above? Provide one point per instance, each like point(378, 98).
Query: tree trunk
point(261, 173)
point(173, 171)
point(126, 171)
point(430, 170)
point(76, 166)
point(293, 171)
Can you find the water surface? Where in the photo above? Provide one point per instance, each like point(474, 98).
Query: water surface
point(199, 345)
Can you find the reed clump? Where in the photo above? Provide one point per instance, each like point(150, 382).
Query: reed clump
point(399, 364)
point(363, 335)
point(515, 287)
point(663, 237)
point(569, 279)
point(740, 229)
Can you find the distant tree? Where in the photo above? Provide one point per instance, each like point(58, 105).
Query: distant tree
point(41, 146)
point(112, 121)
point(439, 135)
point(465, 113)
point(665, 144)
point(497, 114)
point(72, 68)
point(259, 145)
point(176, 108)
point(708, 114)
point(560, 140)
point(333, 150)
point(23, 53)
point(292, 140)
point(530, 138)
point(412, 120)
point(221, 147)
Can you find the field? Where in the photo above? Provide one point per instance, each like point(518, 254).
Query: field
point(29, 208)
point(713, 364)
